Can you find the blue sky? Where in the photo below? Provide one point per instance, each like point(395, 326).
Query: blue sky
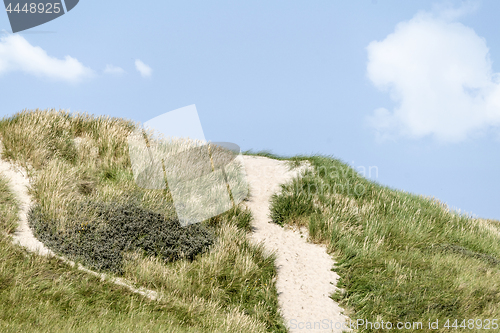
point(409, 87)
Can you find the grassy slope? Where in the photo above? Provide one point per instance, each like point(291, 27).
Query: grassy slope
point(228, 289)
point(401, 257)
point(43, 295)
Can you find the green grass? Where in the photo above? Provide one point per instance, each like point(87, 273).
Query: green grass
point(401, 256)
point(79, 158)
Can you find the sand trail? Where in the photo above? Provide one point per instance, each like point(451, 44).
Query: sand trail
point(305, 279)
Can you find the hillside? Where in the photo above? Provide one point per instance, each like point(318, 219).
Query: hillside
point(401, 257)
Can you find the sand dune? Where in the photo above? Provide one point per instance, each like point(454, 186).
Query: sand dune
point(305, 279)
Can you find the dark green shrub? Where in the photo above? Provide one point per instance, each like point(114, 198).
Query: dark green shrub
point(100, 242)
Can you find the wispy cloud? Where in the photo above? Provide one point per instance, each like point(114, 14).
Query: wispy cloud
point(144, 69)
point(17, 54)
point(110, 69)
point(438, 72)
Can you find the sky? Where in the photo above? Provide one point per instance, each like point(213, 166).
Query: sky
point(408, 88)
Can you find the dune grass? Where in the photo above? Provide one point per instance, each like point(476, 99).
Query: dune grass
point(401, 257)
point(78, 158)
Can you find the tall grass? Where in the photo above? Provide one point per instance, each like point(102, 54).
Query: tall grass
point(79, 158)
point(401, 256)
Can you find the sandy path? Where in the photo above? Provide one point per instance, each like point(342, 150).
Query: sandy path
point(305, 279)
point(19, 184)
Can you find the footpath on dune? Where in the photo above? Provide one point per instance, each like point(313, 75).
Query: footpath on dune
point(305, 279)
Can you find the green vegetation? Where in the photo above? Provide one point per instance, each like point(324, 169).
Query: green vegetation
point(401, 257)
point(209, 277)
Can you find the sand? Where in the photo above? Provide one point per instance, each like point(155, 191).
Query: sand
point(19, 185)
point(305, 279)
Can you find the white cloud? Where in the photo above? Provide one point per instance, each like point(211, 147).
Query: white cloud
point(439, 73)
point(110, 69)
point(17, 54)
point(144, 69)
